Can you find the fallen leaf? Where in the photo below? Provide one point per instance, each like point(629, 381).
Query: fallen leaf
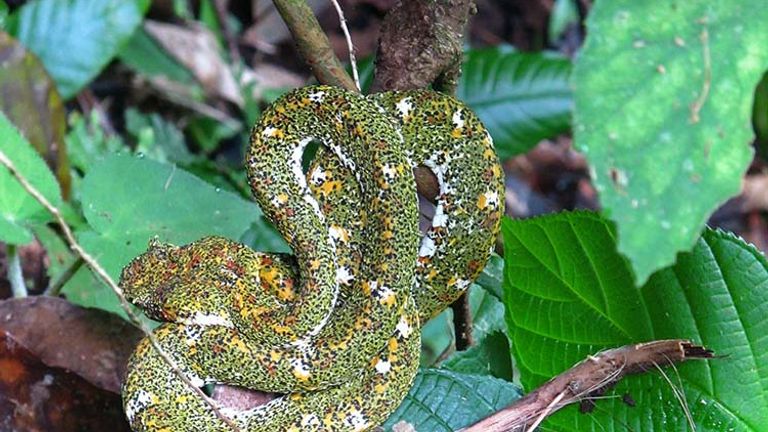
point(197, 49)
point(29, 98)
point(91, 343)
point(35, 397)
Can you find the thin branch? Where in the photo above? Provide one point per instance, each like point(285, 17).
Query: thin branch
point(352, 61)
point(55, 287)
point(313, 44)
point(592, 376)
point(102, 274)
point(15, 275)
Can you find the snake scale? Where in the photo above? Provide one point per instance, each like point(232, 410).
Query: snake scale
point(334, 328)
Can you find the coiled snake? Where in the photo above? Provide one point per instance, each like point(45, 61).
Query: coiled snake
point(334, 329)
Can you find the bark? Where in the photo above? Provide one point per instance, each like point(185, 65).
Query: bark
point(421, 44)
point(591, 377)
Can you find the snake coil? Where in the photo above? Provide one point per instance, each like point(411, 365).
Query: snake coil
point(335, 328)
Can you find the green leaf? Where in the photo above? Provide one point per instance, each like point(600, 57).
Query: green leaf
point(436, 338)
point(437, 335)
point(142, 54)
point(444, 401)
point(760, 117)
point(492, 275)
point(3, 13)
point(129, 200)
point(365, 69)
point(56, 249)
point(663, 101)
point(208, 133)
point(489, 357)
point(18, 209)
point(564, 14)
point(521, 98)
point(87, 142)
point(75, 39)
point(157, 138)
point(487, 312)
point(569, 293)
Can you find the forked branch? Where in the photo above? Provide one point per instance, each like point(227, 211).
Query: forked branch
point(591, 377)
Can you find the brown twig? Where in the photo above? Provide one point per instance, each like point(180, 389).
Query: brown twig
point(462, 322)
point(592, 376)
point(107, 280)
point(421, 44)
point(313, 44)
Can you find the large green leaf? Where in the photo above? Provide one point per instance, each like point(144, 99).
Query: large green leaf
point(569, 293)
point(488, 357)
point(129, 200)
point(18, 209)
point(445, 401)
point(520, 97)
point(663, 100)
point(75, 39)
point(144, 55)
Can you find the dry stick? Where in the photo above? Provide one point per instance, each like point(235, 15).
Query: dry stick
point(594, 374)
point(352, 61)
point(313, 44)
point(102, 274)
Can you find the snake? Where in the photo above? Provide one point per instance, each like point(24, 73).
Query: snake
point(332, 329)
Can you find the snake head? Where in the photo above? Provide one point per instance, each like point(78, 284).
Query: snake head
point(149, 278)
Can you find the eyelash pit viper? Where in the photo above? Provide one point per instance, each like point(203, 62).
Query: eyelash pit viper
point(335, 328)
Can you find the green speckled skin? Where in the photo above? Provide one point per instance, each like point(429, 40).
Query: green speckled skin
point(335, 328)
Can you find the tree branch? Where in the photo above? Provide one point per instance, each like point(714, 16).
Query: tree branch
point(591, 377)
point(421, 44)
point(313, 44)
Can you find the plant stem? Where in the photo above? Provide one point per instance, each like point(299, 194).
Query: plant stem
point(55, 287)
point(313, 44)
point(15, 276)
